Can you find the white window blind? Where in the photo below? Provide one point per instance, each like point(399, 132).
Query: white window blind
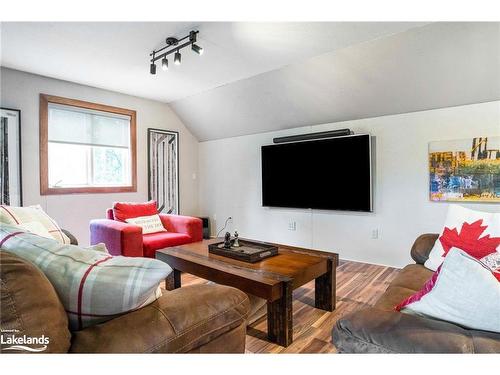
point(88, 147)
point(88, 127)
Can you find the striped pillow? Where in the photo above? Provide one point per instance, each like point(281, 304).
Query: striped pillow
point(93, 286)
point(22, 215)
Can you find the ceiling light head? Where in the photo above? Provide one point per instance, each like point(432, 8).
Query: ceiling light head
point(152, 68)
point(164, 63)
point(177, 58)
point(197, 49)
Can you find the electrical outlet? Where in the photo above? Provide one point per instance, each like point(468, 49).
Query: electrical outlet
point(292, 225)
point(375, 234)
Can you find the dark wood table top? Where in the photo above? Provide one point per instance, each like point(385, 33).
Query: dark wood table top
point(263, 278)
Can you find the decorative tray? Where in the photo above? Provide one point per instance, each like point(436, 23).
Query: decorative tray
point(248, 251)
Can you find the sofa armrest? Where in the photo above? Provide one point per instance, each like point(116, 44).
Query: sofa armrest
point(192, 226)
point(422, 247)
point(179, 321)
point(72, 239)
point(120, 238)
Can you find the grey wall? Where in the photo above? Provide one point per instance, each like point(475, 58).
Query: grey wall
point(230, 185)
point(21, 90)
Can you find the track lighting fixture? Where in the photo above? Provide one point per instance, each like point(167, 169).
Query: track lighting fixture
point(177, 58)
point(173, 46)
point(164, 63)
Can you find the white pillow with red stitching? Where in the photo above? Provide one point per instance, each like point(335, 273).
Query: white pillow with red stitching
point(35, 227)
point(149, 224)
point(23, 215)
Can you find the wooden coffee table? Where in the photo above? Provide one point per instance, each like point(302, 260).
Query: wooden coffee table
point(273, 279)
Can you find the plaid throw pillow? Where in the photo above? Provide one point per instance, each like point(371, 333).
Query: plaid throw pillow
point(24, 215)
point(93, 286)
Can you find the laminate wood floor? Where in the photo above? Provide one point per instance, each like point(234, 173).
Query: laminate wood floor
point(358, 285)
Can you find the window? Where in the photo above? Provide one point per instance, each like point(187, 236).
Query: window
point(86, 147)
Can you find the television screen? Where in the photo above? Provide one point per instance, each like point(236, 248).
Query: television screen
point(330, 174)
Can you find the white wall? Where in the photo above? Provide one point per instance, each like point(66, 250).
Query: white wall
point(230, 181)
point(21, 90)
point(230, 185)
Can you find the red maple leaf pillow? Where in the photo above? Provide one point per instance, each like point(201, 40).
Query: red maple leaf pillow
point(469, 240)
point(475, 232)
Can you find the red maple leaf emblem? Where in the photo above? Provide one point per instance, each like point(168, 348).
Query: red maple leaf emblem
point(496, 274)
point(469, 240)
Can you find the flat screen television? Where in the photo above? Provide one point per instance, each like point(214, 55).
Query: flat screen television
point(329, 174)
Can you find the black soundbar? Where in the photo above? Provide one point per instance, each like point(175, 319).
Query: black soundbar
point(310, 136)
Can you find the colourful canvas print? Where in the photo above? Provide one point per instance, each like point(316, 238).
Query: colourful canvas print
point(465, 170)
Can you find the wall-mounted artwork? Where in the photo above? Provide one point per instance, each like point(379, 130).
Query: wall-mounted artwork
point(10, 157)
point(163, 163)
point(466, 170)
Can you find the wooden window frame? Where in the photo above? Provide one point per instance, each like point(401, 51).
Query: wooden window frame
point(44, 142)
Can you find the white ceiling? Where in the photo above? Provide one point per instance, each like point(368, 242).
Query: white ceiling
point(115, 56)
point(256, 77)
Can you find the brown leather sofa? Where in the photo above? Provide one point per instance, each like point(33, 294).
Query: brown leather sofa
point(196, 319)
point(380, 329)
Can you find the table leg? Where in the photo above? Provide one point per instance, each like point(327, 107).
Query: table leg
point(173, 281)
point(325, 288)
point(279, 318)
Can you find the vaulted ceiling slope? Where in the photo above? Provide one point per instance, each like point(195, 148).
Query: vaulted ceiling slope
point(256, 77)
point(434, 66)
point(115, 55)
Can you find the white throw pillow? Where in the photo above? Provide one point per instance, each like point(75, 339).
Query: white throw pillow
point(35, 227)
point(463, 291)
point(93, 286)
point(149, 224)
point(22, 215)
point(466, 229)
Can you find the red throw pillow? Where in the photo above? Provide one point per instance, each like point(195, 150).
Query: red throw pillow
point(126, 210)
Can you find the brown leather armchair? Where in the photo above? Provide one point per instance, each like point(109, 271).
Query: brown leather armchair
point(196, 319)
